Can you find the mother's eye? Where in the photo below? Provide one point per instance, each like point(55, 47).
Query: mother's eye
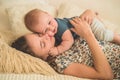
point(49, 22)
point(42, 44)
point(40, 34)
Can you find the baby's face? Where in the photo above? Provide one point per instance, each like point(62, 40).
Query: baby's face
point(40, 45)
point(46, 24)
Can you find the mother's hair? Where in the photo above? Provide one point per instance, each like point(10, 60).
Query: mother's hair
point(21, 45)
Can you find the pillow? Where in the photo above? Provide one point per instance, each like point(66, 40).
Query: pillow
point(14, 61)
point(7, 36)
point(16, 16)
point(70, 10)
point(4, 23)
point(6, 3)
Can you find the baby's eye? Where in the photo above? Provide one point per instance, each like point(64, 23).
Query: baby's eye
point(49, 22)
point(40, 34)
point(46, 30)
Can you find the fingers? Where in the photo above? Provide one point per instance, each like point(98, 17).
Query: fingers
point(75, 21)
point(51, 54)
point(88, 19)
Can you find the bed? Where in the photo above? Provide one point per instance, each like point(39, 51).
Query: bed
point(16, 65)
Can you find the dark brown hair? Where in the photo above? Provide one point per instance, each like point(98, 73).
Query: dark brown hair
point(21, 45)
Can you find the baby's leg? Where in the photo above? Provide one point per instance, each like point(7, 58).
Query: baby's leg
point(100, 32)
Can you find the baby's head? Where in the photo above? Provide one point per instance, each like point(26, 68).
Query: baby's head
point(39, 21)
point(35, 45)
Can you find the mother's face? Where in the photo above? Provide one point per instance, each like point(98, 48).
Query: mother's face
point(40, 45)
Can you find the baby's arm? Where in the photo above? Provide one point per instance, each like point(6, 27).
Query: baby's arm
point(98, 27)
point(67, 41)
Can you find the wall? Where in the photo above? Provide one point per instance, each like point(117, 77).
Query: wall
point(109, 9)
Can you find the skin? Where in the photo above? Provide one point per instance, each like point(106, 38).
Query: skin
point(48, 25)
point(83, 29)
point(81, 70)
point(40, 45)
point(89, 15)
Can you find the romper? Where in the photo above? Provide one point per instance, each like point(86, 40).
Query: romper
point(80, 53)
point(63, 25)
point(98, 29)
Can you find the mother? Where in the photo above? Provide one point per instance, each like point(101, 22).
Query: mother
point(87, 58)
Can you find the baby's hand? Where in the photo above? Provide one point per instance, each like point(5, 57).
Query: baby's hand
point(53, 52)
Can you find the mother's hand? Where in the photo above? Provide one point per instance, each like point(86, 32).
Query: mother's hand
point(99, 59)
point(81, 27)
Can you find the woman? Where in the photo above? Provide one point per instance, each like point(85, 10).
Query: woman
point(73, 62)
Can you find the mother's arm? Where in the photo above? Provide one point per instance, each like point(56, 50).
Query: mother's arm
point(101, 69)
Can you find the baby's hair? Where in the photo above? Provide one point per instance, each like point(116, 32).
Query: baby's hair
point(21, 45)
point(31, 18)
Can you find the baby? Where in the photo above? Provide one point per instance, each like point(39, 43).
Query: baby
point(39, 21)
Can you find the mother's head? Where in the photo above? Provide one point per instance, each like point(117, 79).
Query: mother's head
point(35, 44)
